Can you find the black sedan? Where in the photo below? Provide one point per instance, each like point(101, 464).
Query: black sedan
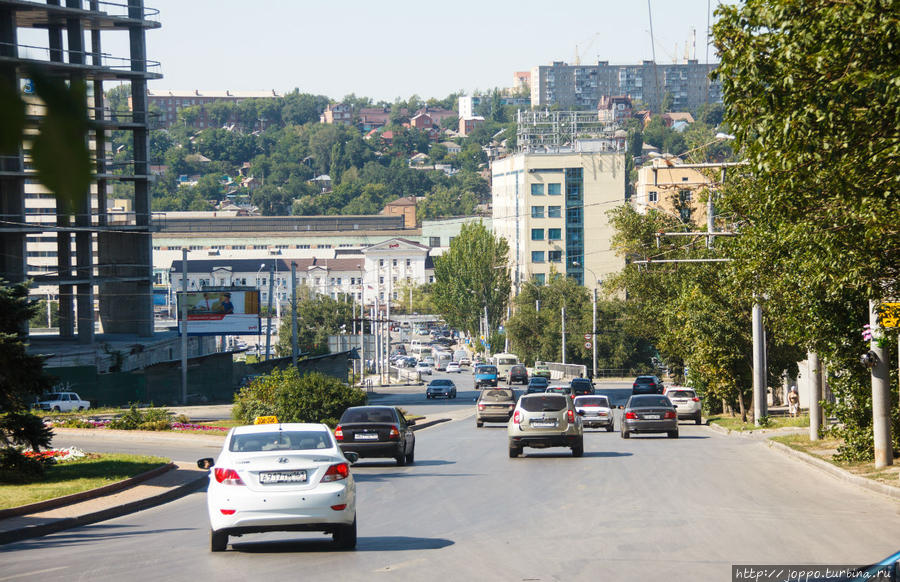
point(649, 413)
point(647, 385)
point(537, 384)
point(377, 431)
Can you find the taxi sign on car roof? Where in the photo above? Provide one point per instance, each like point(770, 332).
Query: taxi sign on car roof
point(265, 420)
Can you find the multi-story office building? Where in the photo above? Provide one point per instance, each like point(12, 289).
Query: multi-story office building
point(582, 86)
point(551, 208)
point(666, 186)
point(169, 103)
point(102, 262)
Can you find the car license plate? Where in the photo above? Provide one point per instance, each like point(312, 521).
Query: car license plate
point(543, 424)
point(365, 436)
point(652, 417)
point(268, 477)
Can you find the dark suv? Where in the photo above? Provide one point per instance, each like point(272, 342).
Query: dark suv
point(647, 385)
point(581, 387)
point(518, 374)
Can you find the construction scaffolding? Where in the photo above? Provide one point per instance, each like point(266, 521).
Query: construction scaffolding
point(544, 131)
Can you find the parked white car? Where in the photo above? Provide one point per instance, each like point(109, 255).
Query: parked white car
point(281, 477)
point(424, 367)
point(62, 402)
point(687, 403)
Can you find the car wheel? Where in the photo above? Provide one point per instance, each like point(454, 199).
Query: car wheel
point(80, 408)
point(479, 424)
point(344, 536)
point(698, 419)
point(514, 452)
point(625, 434)
point(673, 434)
point(401, 459)
point(610, 427)
point(56, 409)
point(411, 457)
point(578, 450)
point(218, 541)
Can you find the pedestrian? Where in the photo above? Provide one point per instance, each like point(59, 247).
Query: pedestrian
point(794, 402)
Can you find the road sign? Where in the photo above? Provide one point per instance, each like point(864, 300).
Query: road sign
point(588, 337)
point(588, 345)
point(890, 315)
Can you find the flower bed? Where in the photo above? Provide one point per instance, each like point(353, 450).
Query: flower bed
point(55, 455)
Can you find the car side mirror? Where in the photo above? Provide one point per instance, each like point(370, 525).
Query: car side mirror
point(206, 463)
point(411, 422)
point(351, 456)
point(674, 406)
point(580, 413)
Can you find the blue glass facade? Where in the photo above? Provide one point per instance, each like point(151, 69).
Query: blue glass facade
point(575, 224)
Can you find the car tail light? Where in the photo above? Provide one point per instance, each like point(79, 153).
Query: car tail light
point(227, 476)
point(695, 399)
point(670, 414)
point(336, 472)
point(227, 511)
point(570, 416)
point(338, 433)
point(481, 407)
point(395, 432)
point(340, 507)
point(631, 416)
point(517, 417)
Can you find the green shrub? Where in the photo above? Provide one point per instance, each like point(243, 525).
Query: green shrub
point(17, 468)
point(135, 419)
point(291, 397)
point(182, 418)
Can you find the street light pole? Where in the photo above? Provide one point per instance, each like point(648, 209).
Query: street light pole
point(594, 335)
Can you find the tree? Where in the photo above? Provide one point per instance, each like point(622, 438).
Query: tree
point(422, 298)
point(473, 274)
point(21, 380)
point(817, 122)
point(443, 202)
point(318, 316)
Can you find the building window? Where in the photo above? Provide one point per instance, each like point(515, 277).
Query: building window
point(260, 247)
point(685, 195)
point(554, 256)
point(537, 234)
point(537, 212)
point(554, 189)
point(338, 280)
point(381, 280)
point(684, 178)
point(652, 196)
point(408, 262)
point(554, 233)
point(434, 241)
point(539, 278)
point(537, 256)
point(537, 189)
point(395, 262)
point(553, 212)
point(380, 262)
point(431, 278)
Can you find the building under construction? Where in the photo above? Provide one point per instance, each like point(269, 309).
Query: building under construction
point(103, 260)
point(545, 131)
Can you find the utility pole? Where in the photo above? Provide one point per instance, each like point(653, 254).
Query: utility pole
point(387, 349)
point(294, 350)
point(594, 335)
point(184, 325)
point(487, 331)
point(881, 395)
point(269, 314)
point(815, 395)
point(506, 334)
point(562, 315)
point(759, 364)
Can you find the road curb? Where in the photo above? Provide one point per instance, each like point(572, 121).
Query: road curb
point(755, 434)
point(835, 471)
point(104, 514)
point(85, 495)
point(430, 423)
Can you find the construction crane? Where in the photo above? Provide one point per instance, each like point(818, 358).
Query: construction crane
point(587, 46)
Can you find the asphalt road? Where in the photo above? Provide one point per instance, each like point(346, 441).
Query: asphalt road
point(646, 508)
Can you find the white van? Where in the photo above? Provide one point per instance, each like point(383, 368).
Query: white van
point(504, 362)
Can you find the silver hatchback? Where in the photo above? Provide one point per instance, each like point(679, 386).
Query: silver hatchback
point(545, 420)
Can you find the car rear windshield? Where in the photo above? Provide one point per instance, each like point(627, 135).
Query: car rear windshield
point(487, 369)
point(280, 441)
point(544, 403)
point(367, 415)
point(645, 380)
point(498, 395)
point(592, 401)
point(642, 401)
point(681, 394)
point(538, 380)
point(441, 383)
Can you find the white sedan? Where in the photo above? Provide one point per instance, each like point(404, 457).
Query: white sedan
point(453, 367)
point(281, 477)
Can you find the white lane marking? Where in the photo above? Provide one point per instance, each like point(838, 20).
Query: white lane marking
point(36, 572)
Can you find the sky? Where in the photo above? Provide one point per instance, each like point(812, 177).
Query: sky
point(386, 50)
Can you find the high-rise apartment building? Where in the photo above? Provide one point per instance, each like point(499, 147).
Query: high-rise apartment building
point(168, 104)
point(100, 260)
point(551, 208)
point(582, 86)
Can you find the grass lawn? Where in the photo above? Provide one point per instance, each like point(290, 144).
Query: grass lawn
point(826, 448)
point(90, 472)
point(734, 422)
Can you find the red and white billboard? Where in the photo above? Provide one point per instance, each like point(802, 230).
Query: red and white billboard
point(220, 311)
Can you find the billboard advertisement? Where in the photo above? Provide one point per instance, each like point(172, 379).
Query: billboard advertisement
point(220, 311)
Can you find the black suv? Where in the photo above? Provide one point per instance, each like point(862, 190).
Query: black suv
point(537, 384)
point(647, 385)
point(518, 374)
point(581, 387)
